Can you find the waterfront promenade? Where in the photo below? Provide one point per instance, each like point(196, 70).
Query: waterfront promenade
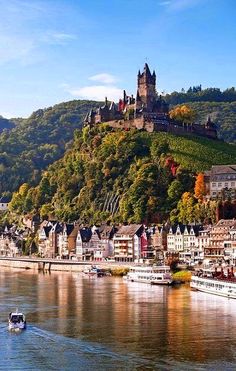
point(26, 262)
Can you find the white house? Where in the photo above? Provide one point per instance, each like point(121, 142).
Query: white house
point(183, 239)
point(4, 202)
point(127, 242)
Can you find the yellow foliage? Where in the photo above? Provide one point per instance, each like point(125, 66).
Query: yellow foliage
point(182, 276)
point(185, 197)
point(23, 189)
point(183, 114)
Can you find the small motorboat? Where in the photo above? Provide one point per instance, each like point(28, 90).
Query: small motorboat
point(16, 321)
point(90, 271)
point(97, 272)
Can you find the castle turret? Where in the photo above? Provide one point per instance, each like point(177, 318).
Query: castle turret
point(210, 128)
point(138, 102)
point(147, 87)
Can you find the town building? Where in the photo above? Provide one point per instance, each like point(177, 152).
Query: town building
point(218, 237)
point(158, 237)
point(83, 250)
point(53, 237)
point(43, 239)
point(203, 242)
point(67, 240)
point(183, 239)
point(147, 111)
point(221, 181)
point(127, 243)
point(106, 242)
point(230, 246)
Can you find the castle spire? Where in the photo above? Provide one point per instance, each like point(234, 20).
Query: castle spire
point(146, 70)
point(147, 87)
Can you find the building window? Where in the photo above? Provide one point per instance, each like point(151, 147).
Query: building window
point(219, 184)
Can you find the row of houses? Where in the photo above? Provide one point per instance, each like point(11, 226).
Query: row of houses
point(197, 243)
point(128, 243)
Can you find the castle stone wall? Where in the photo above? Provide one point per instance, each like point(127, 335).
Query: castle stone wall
point(142, 124)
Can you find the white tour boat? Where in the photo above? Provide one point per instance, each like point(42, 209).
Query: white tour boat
point(215, 282)
point(154, 275)
point(16, 321)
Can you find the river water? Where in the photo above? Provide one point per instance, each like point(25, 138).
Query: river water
point(81, 323)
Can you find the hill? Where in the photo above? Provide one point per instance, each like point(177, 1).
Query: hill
point(34, 143)
point(221, 105)
point(38, 141)
point(222, 113)
point(6, 124)
point(121, 176)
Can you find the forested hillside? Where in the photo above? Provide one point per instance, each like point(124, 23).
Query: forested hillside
point(221, 105)
point(34, 143)
point(38, 141)
point(6, 124)
point(124, 176)
point(223, 114)
point(197, 94)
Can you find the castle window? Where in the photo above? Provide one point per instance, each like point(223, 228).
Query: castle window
point(219, 184)
point(213, 185)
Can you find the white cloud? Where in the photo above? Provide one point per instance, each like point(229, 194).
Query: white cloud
point(165, 3)
point(97, 92)
point(177, 5)
point(58, 38)
point(104, 78)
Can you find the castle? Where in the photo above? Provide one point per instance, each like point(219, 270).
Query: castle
point(147, 111)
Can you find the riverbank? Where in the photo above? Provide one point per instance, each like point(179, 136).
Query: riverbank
point(49, 265)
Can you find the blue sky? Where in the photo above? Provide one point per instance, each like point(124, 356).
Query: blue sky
point(58, 50)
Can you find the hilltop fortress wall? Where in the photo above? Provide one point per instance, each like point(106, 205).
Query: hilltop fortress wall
point(147, 111)
point(151, 127)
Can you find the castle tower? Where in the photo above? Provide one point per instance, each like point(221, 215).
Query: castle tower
point(147, 87)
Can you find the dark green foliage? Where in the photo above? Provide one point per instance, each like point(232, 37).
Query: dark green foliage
point(6, 124)
point(38, 141)
point(197, 94)
point(223, 114)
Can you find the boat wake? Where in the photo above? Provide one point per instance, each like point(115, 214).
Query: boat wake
point(52, 351)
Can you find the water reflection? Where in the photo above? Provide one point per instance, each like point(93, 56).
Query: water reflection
point(125, 323)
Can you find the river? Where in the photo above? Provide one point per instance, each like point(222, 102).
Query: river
point(81, 323)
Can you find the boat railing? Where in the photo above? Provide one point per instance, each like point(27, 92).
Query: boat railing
point(217, 275)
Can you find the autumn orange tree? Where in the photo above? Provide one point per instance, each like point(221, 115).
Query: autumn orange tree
point(199, 188)
point(183, 113)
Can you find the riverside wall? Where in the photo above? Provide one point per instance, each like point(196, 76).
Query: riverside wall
point(54, 265)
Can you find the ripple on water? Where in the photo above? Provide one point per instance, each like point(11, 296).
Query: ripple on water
point(35, 349)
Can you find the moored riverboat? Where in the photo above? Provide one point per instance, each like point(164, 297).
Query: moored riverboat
point(96, 272)
point(16, 321)
point(215, 282)
point(154, 275)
